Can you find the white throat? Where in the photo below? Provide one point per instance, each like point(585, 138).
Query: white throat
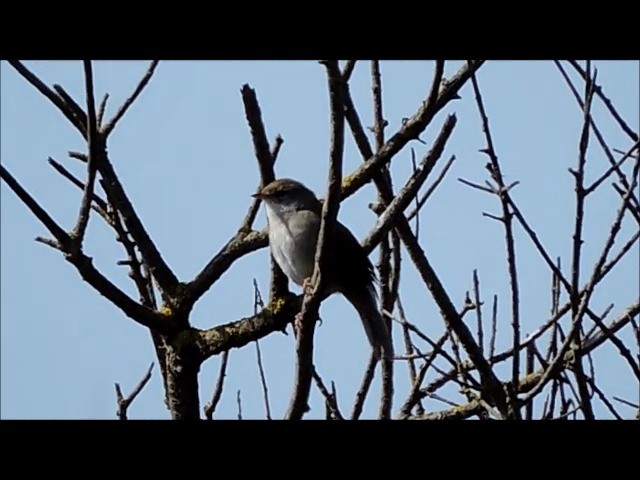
point(289, 242)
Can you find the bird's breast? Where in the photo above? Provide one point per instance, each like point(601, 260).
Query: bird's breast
point(292, 247)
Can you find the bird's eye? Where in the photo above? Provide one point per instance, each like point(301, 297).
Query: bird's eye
point(280, 194)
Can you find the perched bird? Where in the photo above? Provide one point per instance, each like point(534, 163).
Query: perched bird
point(293, 215)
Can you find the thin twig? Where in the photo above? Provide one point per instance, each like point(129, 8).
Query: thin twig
point(361, 395)
point(239, 403)
point(598, 90)
point(101, 109)
point(478, 305)
point(210, 407)
point(402, 200)
point(257, 305)
point(626, 402)
point(125, 402)
point(596, 131)
point(330, 398)
point(407, 132)
point(610, 170)
point(420, 203)
point(100, 204)
point(110, 125)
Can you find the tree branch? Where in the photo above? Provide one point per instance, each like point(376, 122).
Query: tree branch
point(92, 142)
point(66, 110)
point(311, 303)
point(110, 125)
point(125, 402)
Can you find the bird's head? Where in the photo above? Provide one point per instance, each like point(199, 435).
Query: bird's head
point(286, 195)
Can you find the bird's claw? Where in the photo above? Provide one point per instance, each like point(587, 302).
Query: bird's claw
point(307, 286)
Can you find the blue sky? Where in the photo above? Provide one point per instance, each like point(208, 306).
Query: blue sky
point(185, 157)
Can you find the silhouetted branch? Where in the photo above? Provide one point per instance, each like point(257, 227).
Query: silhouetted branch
point(100, 204)
point(101, 109)
point(596, 130)
point(330, 399)
point(598, 90)
point(52, 96)
point(496, 175)
point(92, 144)
point(311, 302)
point(403, 198)
point(71, 104)
point(110, 125)
point(407, 132)
point(125, 402)
point(210, 407)
point(361, 394)
point(420, 203)
point(257, 304)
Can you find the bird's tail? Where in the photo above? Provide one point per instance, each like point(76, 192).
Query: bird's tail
point(374, 325)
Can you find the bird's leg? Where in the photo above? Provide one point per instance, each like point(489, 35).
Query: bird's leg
point(307, 289)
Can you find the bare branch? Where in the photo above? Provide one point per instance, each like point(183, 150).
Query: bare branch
point(420, 203)
point(100, 203)
point(239, 402)
point(92, 141)
point(596, 131)
point(409, 191)
point(347, 70)
point(610, 170)
point(83, 264)
point(361, 395)
point(598, 90)
point(257, 304)
point(59, 234)
point(47, 92)
point(311, 303)
point(101, 109)
point(110, 125)
point(409, 131)
point(125, 402)
point(250, 217)
point(71, 104)
point(330, 398)
point(279, 281)
point(210, 407)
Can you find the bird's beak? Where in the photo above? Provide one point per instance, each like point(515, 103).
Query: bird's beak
point(258, 195)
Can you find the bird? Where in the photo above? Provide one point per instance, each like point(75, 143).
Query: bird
point(293, 218)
